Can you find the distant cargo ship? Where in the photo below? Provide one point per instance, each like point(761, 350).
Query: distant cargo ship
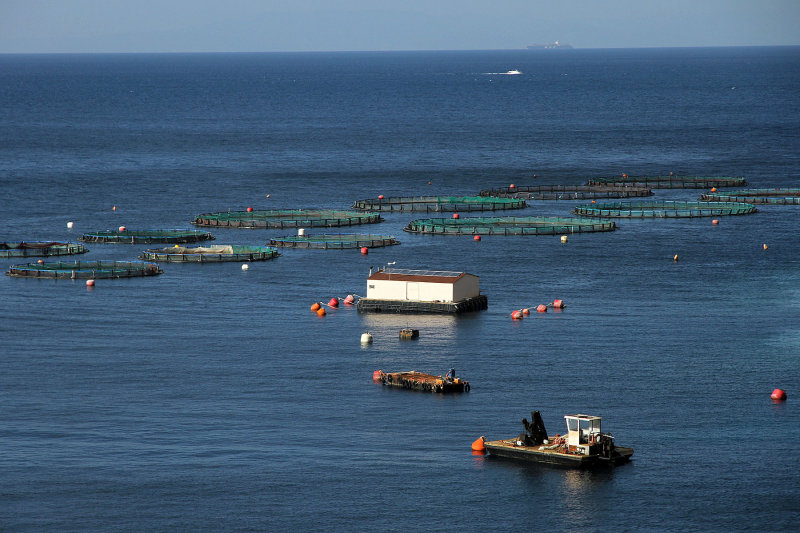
point(549, 46)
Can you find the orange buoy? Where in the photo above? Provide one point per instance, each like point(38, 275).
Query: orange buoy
point(334, 302)
point(713, 189)
point(430, 183)
point(516, 315)
point(315, 307)
point(321, 311)
point(511, 186)
point(715, 221)
point(380, 197)
point(40, 261)
point(765, 246)
point(268, 196)
point(593, 201)
point(114, 208)
point(455, 215)
point(526, 311)
point(779, 395)
point(349, 299)
point(90, 283)
point(377, 375)
point(122, 228)
point(541, 308)
point(624, 175)
point(558, 304)
point(364, 250)
point(476, 238)
point(478, 446)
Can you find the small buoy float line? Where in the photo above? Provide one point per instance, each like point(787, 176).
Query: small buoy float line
point(518, 314)
point(778, 395)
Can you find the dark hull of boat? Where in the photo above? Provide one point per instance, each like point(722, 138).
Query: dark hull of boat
point(533, 454)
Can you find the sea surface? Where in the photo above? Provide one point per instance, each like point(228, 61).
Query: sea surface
point(212, 398)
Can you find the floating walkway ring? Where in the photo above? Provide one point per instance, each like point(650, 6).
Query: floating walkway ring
point(438, 204)
point(85, 270)
point(334, 241)
point(508, 226)
point(670, 182)
point(40, 249)
point(567, 192)
point(663, 209)
point(147, 236)
point(756, 196)
point(210, 254)
point(285, 218)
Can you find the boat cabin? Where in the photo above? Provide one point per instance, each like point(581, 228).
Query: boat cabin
point(582, 432)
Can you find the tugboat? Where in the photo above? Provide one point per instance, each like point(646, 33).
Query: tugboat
point(584, 444)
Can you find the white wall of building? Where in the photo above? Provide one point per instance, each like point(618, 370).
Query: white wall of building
point(465, 287)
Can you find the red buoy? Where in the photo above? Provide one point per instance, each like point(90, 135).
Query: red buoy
point(364, 250)
point(511, 186)
point(380, 197)
point(349, 299)
point(334, 302)
point(715, 221)
point(526, 311)
point(455, 215)
point(90, 283)
point(516, 315)
point(541, 308)
point(476, 238)
point(249, 209)
point(558, 304)
point(779, 395)
point(377, 375)
point(122, 228)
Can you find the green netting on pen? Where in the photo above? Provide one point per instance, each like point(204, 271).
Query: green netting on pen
point(147, 236)
point(670, 182)
point(85, 270)
point(40, 249)
point(567, 192)
point(286, 218)
point(508, 226)
point(434, 204)
point(663, 209)
point(334, 241)
point(210, 254)
point(756, 196)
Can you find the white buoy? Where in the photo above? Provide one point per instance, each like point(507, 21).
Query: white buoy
point(366, 338)
point(245, 266)
point(564, 239)
point(69, 225)
point(301, 231)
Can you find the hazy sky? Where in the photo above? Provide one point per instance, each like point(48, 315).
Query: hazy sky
point(322, 25)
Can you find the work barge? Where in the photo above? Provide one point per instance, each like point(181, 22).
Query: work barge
point(422, 382)
point(584, 445)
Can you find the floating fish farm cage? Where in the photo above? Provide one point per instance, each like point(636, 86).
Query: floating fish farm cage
point(436, 204)
point(40, 249)
point(286, 218)
point(670, 182)
point(85, 270)
point(210, 254)
point(663, 209)
point(147, 236)
point(334, 241)
point(756, 196)
point(566, 192)
point(508, 226)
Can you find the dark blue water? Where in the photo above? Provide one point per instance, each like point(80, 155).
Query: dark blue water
point(212, 398)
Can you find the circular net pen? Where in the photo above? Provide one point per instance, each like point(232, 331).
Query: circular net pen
point(286, 218)
point(566, 192)
point(85, 270)
point(334, 241)
point(210, 254)
point(756, 196)
point(663, 209)
point(439, 204)
point(670, 182)
point(508, 226)
point(147, 236)
point(40, 249)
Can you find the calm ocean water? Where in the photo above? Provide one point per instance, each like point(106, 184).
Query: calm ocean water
point(210, 398)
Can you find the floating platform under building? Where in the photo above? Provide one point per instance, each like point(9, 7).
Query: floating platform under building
point(399, 290)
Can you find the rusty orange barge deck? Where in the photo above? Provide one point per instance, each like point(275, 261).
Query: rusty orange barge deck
point(422, 382)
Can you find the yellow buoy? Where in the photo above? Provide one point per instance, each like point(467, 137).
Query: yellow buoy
point(675, 258)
